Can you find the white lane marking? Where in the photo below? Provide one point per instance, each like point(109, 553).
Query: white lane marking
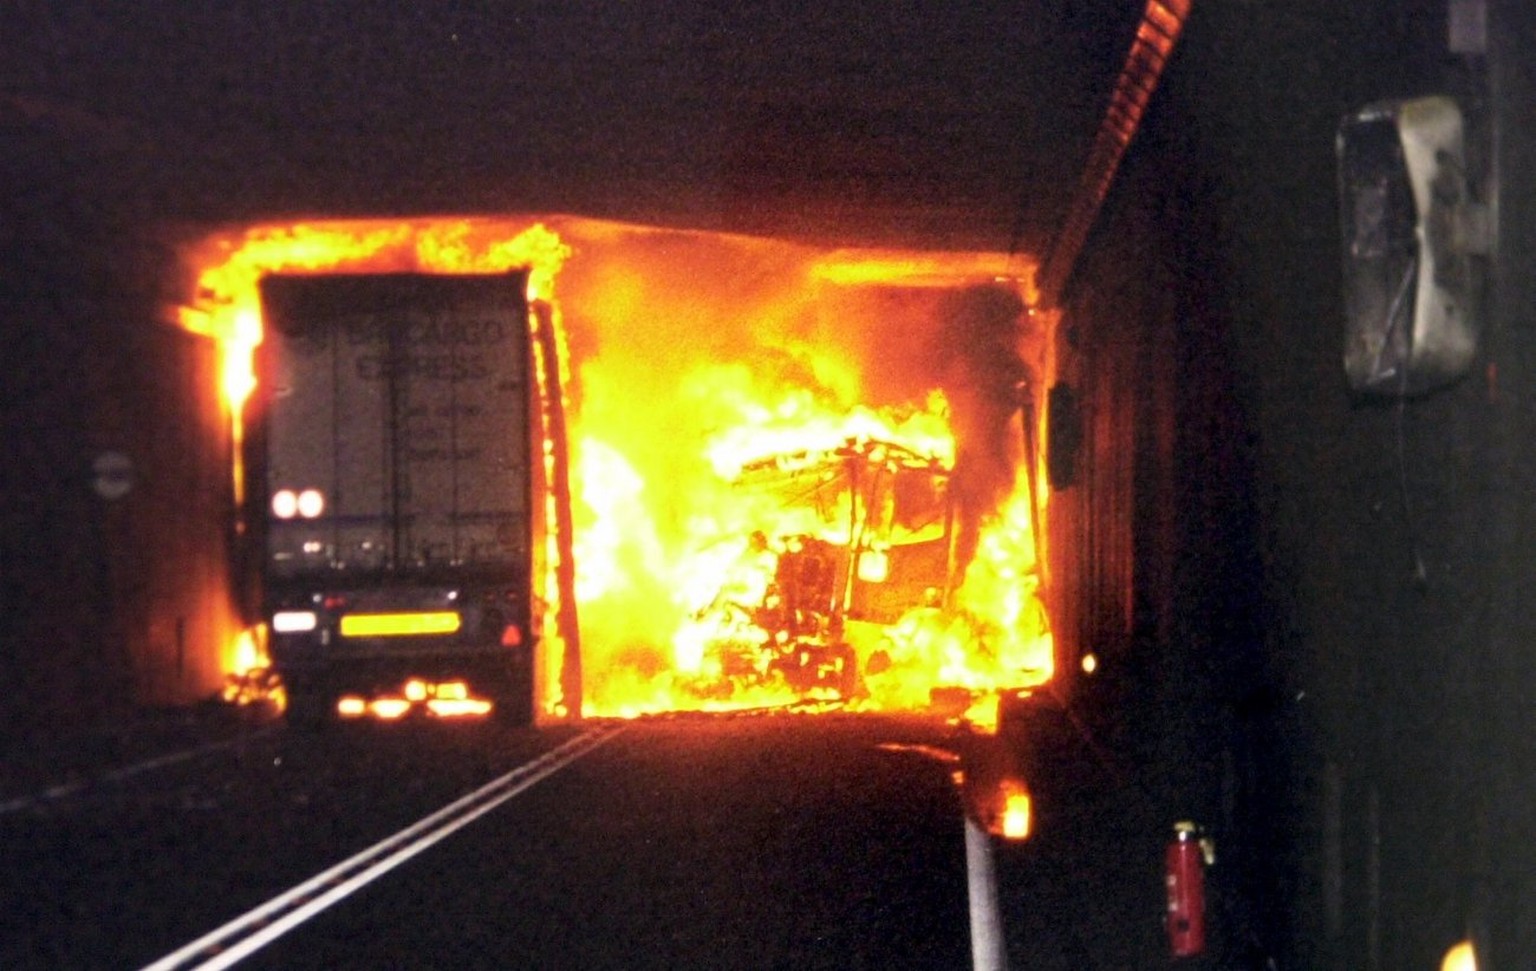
point(988, 947)
point(64, 789)
point(987, 950)
point(257, 928)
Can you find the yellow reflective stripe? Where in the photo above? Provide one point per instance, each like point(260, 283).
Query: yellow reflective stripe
point(390, 625)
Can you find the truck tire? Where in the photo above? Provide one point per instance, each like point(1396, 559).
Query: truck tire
point(310, 708)
point(513, 704)
point(511, 694)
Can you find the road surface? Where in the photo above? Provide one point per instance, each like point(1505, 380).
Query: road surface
point(749, 841)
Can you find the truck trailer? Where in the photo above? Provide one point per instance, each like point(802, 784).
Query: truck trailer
point(389, 490)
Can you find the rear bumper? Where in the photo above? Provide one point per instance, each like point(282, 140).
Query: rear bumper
point(370, 668)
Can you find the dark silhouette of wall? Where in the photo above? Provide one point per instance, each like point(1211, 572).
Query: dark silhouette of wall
point(104, 602)
point(1330, 629)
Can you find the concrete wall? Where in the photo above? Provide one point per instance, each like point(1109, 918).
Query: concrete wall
point(103, 603)
point(167, 541)
point(1156, 543)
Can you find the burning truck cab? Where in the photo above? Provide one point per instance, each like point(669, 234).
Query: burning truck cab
point(860, 536)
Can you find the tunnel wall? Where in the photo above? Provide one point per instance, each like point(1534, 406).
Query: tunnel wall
point(1156, 542)
point(167, 541)
point(1331, 630)
point(106, 604)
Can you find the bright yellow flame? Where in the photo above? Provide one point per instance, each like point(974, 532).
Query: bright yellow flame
point(1460, 958)
point(248, 677)
point(245, 653)
point(983, 716)
point(875, 566)
point(400, 625)
point(934, 269)
point(447, 699)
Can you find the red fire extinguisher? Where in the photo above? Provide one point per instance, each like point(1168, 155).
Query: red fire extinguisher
point(1185, 874)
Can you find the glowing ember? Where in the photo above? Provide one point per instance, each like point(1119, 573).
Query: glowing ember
point(796, 474)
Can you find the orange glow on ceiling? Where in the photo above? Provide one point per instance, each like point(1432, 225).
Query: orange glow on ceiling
point(741, 410)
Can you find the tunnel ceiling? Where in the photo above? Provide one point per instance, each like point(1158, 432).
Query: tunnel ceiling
point(925, 123)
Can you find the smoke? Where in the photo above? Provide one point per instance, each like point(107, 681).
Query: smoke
point(976, 351)
point(966, 341)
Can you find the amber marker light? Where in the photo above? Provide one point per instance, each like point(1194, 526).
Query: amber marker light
point(400, 625)
point(1015, 822)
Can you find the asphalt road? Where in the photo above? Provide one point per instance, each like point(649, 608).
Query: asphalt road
point(767, 841)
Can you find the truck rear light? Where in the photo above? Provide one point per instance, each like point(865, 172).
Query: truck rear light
point(285, 504)
point(512, 636)
point(293, 621)
point(400, 625)
point(310, 503)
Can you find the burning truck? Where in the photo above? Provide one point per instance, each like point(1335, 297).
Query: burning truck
point(866, 583)
point(864, 537)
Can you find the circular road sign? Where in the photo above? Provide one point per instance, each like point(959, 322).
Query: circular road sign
point(112, 475)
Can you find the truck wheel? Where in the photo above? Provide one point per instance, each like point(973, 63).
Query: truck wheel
point(511, 692)
point(309, 709)
point(513, 705)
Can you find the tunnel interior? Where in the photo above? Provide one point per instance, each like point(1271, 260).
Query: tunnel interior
point(1339, 683)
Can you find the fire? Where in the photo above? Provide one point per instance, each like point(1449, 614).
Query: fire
point(226, 305)
point(248, 677)
point(750, 422)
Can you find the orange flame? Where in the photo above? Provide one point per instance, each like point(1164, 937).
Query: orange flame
point(694, 363)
